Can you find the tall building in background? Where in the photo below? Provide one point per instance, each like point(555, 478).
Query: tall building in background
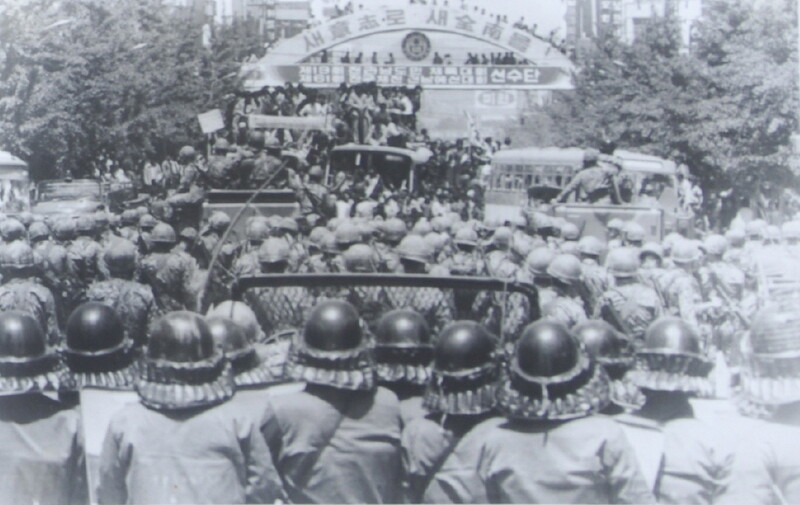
point(626, 19)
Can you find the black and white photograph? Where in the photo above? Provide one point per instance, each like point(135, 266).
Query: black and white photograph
point(399, 251)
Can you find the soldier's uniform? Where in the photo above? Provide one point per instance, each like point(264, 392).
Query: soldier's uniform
point(683, 459)
point(22, 290)
point(170, 274)
point(43, 455)
point(86, 256)
point(595, 184)
point(313, 435)
point(576, 457)
point(460, 394)
point(630, 306)
point(185, 442)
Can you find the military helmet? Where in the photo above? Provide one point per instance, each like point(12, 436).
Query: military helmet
point(241, 314)
point(98, 352)
point(120, 257)
point(11, 229)
point(439, 224)
point(287, 224)
point(756, 228)
point(570, 231)
point(38, 231)
point(328, 244)
point(552, 377)
point(422, 227)
point(465, 370)
point(606, 345)
point(141, 210)
point(64, 229)
point(394, 229)
point(569, 247)
point(101, 220)
point(255, 139)
point(163, 234)
point(249, 369)
point(183, 368)
point(653, 249)
point(273, 250)
point(17, 255)
point(366, 209)
point(359, 258)
point(672, 359)
point(539, 260)
point(316, 236)
point(257, 231)
point(771, 365)
point(403, 350)
point(414, 248)
point(634, 232)
point(221, 145)
point(685, 252)
point(27, 363)
point(219, 221)
point(332, 349)
point(129, 217)
point(736, 237)
point(316, 172)
point(26, 218)
point(502, 237)
point(147, 222)
point(715, 245)
point(186, 154)
point(188, 233)
point(565, 268)
point(615, 224)
point(84, 224)
point(623, 262)
point(347, 234)
point(435, 241)
point(591, 246)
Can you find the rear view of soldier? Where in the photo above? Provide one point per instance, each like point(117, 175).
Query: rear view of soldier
point(42, 456)
point(338, 441)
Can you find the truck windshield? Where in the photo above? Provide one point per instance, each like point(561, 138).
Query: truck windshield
point(61, 190)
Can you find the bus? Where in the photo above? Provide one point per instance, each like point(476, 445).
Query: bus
point(396, 166)
point(532, 177)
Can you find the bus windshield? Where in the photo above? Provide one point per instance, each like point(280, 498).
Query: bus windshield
point(69, 190)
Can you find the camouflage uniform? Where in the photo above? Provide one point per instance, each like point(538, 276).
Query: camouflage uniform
point(683, 296)
point(280, 308)
point(596, 279)
point(86, 256)
point(133, 302)
point(27, 295)
point(171, 275)
point(388, 259)
point(637, 305)
point(565, 309)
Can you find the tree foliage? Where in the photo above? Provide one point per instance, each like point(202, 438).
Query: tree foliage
point(81, 79)
point(726, 105)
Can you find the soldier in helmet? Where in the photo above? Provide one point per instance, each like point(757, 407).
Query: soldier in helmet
point(594, 274)
point(682, 458)
point(190, 191)
point(312, 196)
point(403, 356)
point(460, 395)
point(12, 229)
point(133, 301)
point(42, 457)
point(86, 255)
point(224, 165)
point(280, 308)
point(567, 307)
point(317, 259)
point(250, 368)
point(682, 291)
point(171, 274)
point(614, 233)
point(435, 305)
point(287, 229)
point(314, 434)
point(614, 352)
point(629, 304)
point(391, 233)
point(256, 231)
point(596, 183)
point(99, 351)
point(211, 234)
point(633, 235)
point(500, 250)
point(766, 468)
point(552, 390)
point(369, 301)
point(152, 452)
point(22, 290)
point(146, 224)
point(129, 221)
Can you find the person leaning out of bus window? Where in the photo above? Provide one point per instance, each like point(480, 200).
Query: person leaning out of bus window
point(595, 183)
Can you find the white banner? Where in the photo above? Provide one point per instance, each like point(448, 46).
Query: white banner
point(289, 122)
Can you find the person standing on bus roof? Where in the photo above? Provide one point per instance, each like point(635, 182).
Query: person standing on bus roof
point(596, 183)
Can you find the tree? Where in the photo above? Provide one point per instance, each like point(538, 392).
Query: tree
point(726, 106)
point(87, 79)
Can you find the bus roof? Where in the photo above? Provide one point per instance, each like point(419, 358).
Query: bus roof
point(374, 149)
point(635, 162)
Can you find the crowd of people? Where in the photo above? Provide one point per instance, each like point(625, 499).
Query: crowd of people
point(585, 392)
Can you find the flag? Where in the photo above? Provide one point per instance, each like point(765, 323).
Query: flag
point(473, 135)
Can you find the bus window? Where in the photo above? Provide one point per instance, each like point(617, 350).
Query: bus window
point(528, 179)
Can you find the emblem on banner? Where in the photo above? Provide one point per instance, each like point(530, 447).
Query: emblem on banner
point(416, 46)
